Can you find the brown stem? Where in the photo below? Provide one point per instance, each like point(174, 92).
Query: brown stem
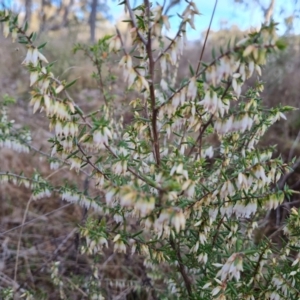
point(170, 44)
point(216, 234)
point(199, 139)
point(206, 37)
point(181, 268)
point(201, 134)
point(151, 87)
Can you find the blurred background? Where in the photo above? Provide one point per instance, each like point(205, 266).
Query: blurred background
point(51, 237)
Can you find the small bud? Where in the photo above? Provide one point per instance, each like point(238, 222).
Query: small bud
point(6, 29)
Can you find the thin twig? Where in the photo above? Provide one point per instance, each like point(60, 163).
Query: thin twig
point(151, 87)
point(285, 177)
point(181, 267)
point(132, 17)
point(295, 143)
point(35, 219)
point(170, 44)
point(206, 37)
point(20, 237)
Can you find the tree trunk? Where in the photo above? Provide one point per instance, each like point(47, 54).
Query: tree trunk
point(43, 16)
point(92, 19)
point(28, 10)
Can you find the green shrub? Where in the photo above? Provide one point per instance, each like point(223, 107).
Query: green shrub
point(187, 207)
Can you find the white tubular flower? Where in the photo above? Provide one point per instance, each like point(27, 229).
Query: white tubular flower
point(232, 267)
point(216, 290)
point(209, 152)
point(164, 86)
point(119, 247)
point(14, 34)
point(163, 64)
point(242, 181)
point(208, 102)
point(212, 76)
point(157, 11)
point(34, 57)
point(120, 167)
point(192, 89)
point(70, 197)
point(174, 53)
point(213, 104)
point(28, 58)
point(115, 44)
point(75, 163)
point(202, 238)
point(237, 86)
point(35, 102)
point(227, 189)
point(258, 69)
point(42, 57)
point(145, 206)
point(156, 29)
point(243, 123)
point(251, 67)
point(166, 22)
point(175, 100)
point(224, 68)
point(101, 136)
point(130, 77)
point(259, 173)
point(203, 258)
point(272, 202)
point(33, 77)
point(178, 221)
point(144, 82)
point(54, 165)
point(47, 102)
point(242, 71)
point(242, 41)
point(133, 245)
point(103, 242)
point(59, 89)
point(44, 85)
point(182, 96)
point(58, 128)
point(126, 62)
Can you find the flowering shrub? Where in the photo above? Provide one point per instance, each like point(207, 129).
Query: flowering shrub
point(167, 193)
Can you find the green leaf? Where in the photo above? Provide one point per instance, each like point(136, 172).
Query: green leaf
point(213, 53)
point(15, 20)
point(79, 111)
point(72, 154)
point(34, 36)
point(42, 46)
point(191, 70)
point(25, 26)
point(136, 234)
point(70, 84)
